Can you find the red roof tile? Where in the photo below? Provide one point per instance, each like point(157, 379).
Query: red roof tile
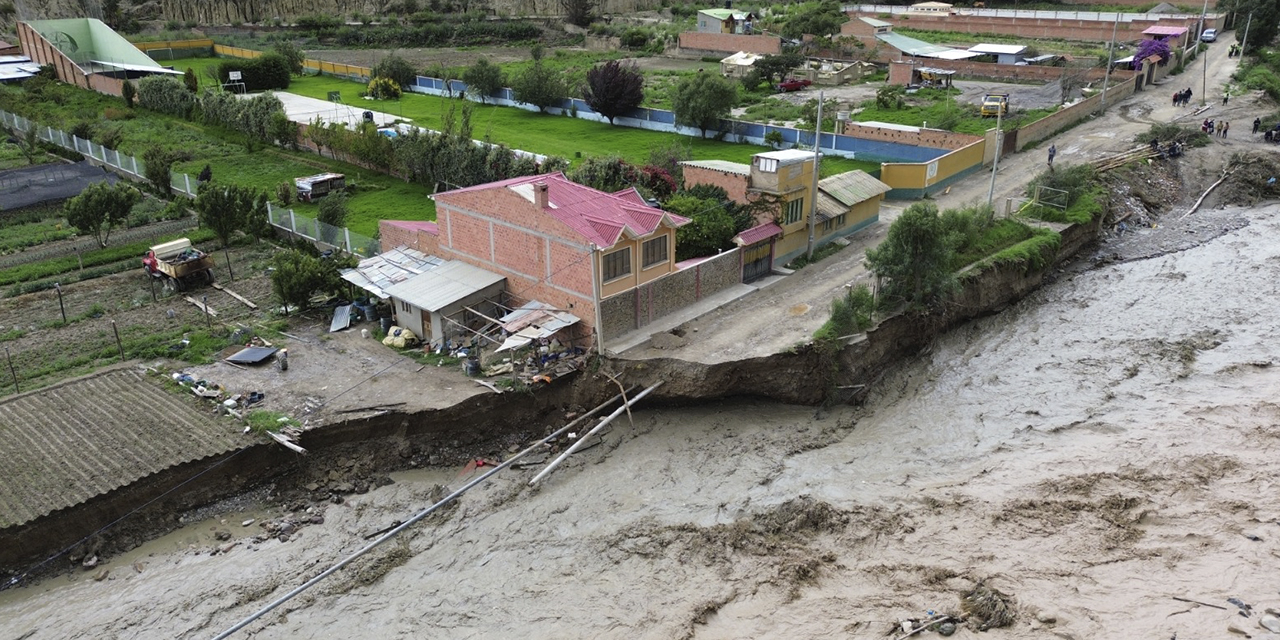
point(595, 216)
point(757, 233)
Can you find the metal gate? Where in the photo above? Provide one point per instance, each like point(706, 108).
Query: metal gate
point(757, 261)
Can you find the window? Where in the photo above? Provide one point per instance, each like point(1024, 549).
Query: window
point(828, 225)
point(767, 165)
point(404, 306)
point(794, 211)
point(655, 252)
point(617, 264)
point(840, 220)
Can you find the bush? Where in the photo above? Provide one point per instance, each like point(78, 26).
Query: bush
point(397, 69)
point(268, 71)
point(850, 314)
point(383, 88)
point(319, 24)
point(165, 94)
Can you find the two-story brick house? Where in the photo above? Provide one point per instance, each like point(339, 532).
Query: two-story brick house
point(554, 240)
point(846, 203)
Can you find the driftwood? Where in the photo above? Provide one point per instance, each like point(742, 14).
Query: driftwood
point(246, 301)
point(926, 625)
point(488, 385)
point(375, 407)
point(1206, 604)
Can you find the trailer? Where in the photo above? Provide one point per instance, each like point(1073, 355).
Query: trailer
point(180, 265)
point(317, 186)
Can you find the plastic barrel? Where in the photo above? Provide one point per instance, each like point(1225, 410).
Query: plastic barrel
point(386, 325)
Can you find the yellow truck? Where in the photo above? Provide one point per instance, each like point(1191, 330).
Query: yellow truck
point(995, 104)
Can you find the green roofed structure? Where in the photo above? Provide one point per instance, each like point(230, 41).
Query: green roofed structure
point(86, 53)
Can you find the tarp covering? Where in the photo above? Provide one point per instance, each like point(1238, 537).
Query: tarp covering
point(533, 321)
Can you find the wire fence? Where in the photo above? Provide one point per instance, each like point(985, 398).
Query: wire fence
point(302, 226)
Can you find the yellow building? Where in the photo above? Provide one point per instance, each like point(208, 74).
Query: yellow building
point(846, 203)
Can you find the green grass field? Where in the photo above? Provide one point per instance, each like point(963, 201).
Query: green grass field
point(563, 136)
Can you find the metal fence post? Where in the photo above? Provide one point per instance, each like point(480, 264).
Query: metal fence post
point(293, 222)
point(134, 159)
point(347, 233)
point(186, 179)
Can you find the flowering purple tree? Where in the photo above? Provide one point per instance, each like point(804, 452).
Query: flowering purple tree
point(1150, 48)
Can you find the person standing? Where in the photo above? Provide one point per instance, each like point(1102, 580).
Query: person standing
point(1053, 151)
point(1225, 97)
point(1257, 123)
point(1226, 126)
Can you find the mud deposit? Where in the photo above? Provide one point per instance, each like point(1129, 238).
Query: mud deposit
point(1071, 463)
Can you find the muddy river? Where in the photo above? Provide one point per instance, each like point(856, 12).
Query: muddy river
point(1099, 448)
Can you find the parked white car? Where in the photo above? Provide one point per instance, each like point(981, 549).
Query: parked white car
point(1209, 35)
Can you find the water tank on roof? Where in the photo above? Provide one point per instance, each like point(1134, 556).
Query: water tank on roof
point(842, 115)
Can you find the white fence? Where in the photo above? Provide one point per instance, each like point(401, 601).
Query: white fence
point(182, 183)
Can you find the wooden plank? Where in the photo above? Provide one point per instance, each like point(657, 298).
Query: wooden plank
point(201, 306)
point(247, 302)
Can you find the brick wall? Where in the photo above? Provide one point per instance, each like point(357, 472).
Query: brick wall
point(635, 308)
point(734, 184)
point(932, 138)
point(1055, 122)
point(729, 42)
point(1031, 28)
point(900, 72)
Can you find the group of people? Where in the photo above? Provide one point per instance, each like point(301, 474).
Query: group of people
point(1271, 135)
point(1233, 51)
point(1182, 98)
point(1218, 128)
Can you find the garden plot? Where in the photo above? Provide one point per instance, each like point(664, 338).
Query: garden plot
point(304, 110)
point(80, 439)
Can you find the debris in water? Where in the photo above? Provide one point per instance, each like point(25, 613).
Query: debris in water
point(987, 608)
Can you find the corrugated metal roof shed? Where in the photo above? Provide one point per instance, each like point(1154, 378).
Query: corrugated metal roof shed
point(1160, 30)
point(852, 187)
point(444, 285)
point(377, 273)
point(998, 49)
point(911, 46)
point(876, 23)
point(720, 165)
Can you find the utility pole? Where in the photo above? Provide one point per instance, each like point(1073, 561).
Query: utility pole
point(991, 192)
point(813, 195)
point(1245, 40)
point(1204, 74)
point(1111, 54)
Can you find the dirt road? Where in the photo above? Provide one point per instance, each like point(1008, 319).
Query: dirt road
point(781, 316)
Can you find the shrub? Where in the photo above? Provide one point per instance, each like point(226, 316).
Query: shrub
point(128, 93)
point(165, 94)
point(384, 88)
point(850, 314)
point(159, 164)
point(268, 71)
point(397, 69)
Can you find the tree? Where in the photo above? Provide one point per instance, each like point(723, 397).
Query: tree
point(1264, 26)
point(483, 78)
point(129, 93)
point(915, 256)
point(292, 54)
point(298, 276)
point(540, 86)
point(711, 228)
point(333, 212)
point(284, 193)
point(257, 221)
point(579, 12)
point(225, 210)
point(396, 68)
point(1148, 48)
point(821, 20)
point(158, 168)
point(190, 80)
point(29, 143)
point(283, 130)
point(101, 207)
point(614, 88)
point(702, 100)
point(605, 173)
point(775, 67)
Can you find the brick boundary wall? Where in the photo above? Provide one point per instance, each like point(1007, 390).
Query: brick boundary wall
point(729, 43)
point(1064, 118)
point(734, 184)
point(635, 308)
point(900, 71)
point(1031, 28)
point(932, 138)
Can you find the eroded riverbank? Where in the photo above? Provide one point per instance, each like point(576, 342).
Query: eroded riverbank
point(1100, 446)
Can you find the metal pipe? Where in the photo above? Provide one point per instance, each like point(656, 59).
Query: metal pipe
point(578, 445)
point(422, 514)
point(996, 162)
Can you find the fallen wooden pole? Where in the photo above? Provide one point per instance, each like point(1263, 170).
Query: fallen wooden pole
point(201, 306)
point(285, 441)
point(410, 522)
point(1199, 603)
point(246, 301)
point(626, 406)
point(1225, 175)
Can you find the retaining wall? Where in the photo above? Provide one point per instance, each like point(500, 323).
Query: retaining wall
point(912, 180)
point(1069, 116)
point(693, 42)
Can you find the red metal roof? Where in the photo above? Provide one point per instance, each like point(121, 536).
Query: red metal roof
point(631, 195)
point(597, 217)
point(757, 233)
point(1164, 31)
